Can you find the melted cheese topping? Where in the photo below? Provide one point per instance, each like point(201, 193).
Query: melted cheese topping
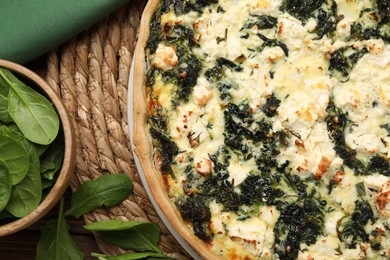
point(304, 83)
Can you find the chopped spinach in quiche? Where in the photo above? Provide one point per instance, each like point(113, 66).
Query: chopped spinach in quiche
point(270, 122)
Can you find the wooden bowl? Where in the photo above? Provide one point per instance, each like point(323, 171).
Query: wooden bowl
point(64, 175)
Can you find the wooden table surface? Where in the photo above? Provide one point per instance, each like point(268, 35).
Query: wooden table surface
point(22, 245)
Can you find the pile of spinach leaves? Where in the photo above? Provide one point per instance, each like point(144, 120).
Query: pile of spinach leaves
point(107, 190)
point(31, 147)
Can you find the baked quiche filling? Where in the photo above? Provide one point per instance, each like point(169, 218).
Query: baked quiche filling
point(270, 122)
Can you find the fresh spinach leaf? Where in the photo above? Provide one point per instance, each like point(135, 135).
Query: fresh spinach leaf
point(107, 190)
point(46, 187)
point(32, 112)
point(12, 131)
point(134, 235)
point(4, 115)
point(28, 192)
point(5, 185)
point(51, 159)
point(15, 156)
point(26, 195)
point(132, 256)
point(49, 168)
point(56, 242)
point(47, 183)
point(4, 88)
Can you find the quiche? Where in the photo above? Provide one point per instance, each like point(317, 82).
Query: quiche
point(263, 126)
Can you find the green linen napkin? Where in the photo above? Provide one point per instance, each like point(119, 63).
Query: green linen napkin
point(30, 28)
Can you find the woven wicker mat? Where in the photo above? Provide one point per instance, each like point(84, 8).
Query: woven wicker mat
point(91, 73)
